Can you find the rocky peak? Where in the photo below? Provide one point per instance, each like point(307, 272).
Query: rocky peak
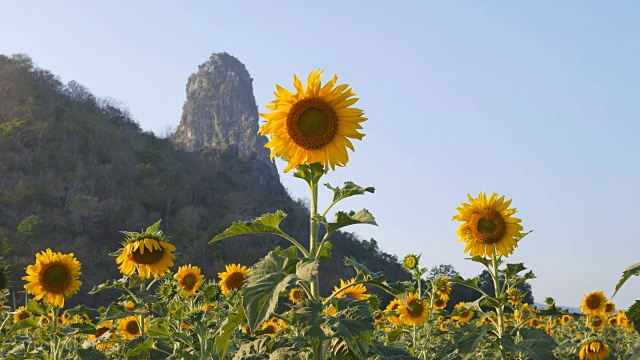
point(221, 112)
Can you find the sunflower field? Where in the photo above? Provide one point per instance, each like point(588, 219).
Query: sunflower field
point(273, 309)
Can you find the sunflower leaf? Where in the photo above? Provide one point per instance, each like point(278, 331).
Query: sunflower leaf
point(325, 252)
point(513, 269)
point(631, 270)
point(536, 343)
point(27, 323)
point(268, 277)
point(266, 224)
point(226, 330)
point(349, 189)
point(353, 326)
point(34, 307)
point(351, 218)
point(110, 284)
point(470, 283)
point(90, 354)
point(310, 173)
point(468, 343)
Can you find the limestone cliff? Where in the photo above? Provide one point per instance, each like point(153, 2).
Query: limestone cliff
point(221, 112)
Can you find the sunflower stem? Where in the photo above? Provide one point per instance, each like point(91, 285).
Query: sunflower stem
point(142, 287)
point(498, 295)
point(314, 225)
point(54, 335)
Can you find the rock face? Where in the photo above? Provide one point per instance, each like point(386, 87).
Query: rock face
point(221, 112)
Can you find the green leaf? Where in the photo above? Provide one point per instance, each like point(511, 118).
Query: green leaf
point(224, 333)
point(262, 287)
point(110, 284)
point(117, 311)
point(266, 224)
point(141, 351)
point(631, 270)
point(468, 343)
point(28, 323)
point(310, 173)
point(536, 343)
point(79, 310)
point(158, 327)
point(470, 283)
point(349, 189)
point(307, 269)
point(383, 352)
point(91, 354)
point(351, 218)
point(292, 254)
point(84, 328)
point(325, 252)
point(513, 269)
point(35, 307)
point(353, 326)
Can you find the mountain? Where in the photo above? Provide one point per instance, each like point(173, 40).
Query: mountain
point(75, 170)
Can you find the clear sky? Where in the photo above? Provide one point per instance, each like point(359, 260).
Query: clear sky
point(537, 101)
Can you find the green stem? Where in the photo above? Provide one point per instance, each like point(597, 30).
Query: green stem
point(314, 225)
point(54, 336)
point(142, 287)
point(498, 295)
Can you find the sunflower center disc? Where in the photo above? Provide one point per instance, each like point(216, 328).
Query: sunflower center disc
point(593, 302)
point(596, 321)
point(132, 327)
point(415, 308)
point(235, 281)
point(55, 277)
point(487, 226)
point(148, 257)
point(312, 123)
point(189, 281)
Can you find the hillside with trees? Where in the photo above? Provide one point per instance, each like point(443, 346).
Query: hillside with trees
point(75, 170)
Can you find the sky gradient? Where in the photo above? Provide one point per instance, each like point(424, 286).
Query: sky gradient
point(537, 101)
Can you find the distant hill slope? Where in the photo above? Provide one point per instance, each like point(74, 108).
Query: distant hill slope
point(75, 170)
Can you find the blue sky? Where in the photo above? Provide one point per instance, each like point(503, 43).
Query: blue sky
point(536, 101)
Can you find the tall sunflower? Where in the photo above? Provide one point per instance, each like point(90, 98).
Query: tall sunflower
point(314, 124)
point(233, 278)
point(357, 291)
point(598, 321)
point(53, 277)
point(147, 251)
point(391, 311)
point(487, 226)
point(189, 279)
point(594, 303)
point(414, 312)
point(594, 350)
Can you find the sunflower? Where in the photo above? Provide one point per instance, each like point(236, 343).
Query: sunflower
point(440, 303)
point(272, 326)
point(101, 330)
point(355, 291)
point(129, 327)
point(410, 261)
point(314, 124)
point(189, 279)
point(465, 316)
point(148, 251)
point(488, 228)
point(567, 318)
point(379, 315)
point(21, 314)
point(514, 296)
point(331, 310)
point(534, 322)
point(597, 321)
point(594, 350)
point(613, 321)
point(233, 278)
point(414, 312)
point(53, 276)
point(609, 308)
point(444, 288)
point(391, 312)
point(295, 295)
point(593, 303)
